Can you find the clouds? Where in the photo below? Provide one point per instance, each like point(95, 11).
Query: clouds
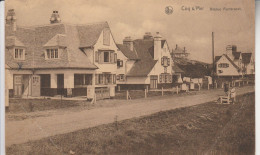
point(135, 17)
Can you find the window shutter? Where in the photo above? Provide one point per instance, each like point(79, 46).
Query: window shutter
point(161, 78)
point(118, 77)
point(96, 79)
point(96, 56)
point(162, 61)
point(112, 57)
point(115, 58)
point(114, 78)
point(168, 61)
point(101, 56)
point(121, 63)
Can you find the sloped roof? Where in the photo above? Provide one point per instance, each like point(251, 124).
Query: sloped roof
point(143, 67)
point(35, 38)
point(246, 57)
point(217, 58)
point(231, 62)
point(13, 41)
point(236, 55)
point(163, 42)
point(57, 40)
point(127, 52)
point(177, 69)
point(89, 34)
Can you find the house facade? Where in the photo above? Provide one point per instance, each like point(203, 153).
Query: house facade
point(144, 63)
point(234, 63)
point(179, 52)
point(60, 59)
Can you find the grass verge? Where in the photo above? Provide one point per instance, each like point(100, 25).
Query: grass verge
point(205, 128)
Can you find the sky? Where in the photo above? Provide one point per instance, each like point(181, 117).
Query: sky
point(189, 29)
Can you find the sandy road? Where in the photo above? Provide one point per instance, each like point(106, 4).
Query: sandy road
point(41, 127)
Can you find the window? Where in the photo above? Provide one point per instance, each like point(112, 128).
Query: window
point(165, 78)
point(106, 57)
point(120, 77)
point(223, 65)
point(82, 79)
point(52, 54)
point(165, 61)
point(105, 78)
point(119, 63)
point(19, 54)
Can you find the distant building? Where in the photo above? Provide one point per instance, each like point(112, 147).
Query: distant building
point(144, 63)
point(60, 59)
point(179, 52)
point(234, 63)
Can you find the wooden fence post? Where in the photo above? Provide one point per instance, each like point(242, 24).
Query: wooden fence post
point(127, 95)
point(147, 88)
point(162, 91)
point(208, 86)
point(145, 93)
point(199, 86)
point(177, 87)
point(239, 84)
point(222, 85)
point(216, 85)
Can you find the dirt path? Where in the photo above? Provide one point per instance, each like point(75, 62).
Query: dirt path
point(40, 127)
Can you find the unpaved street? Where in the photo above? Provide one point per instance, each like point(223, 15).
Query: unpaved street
point(40, 127)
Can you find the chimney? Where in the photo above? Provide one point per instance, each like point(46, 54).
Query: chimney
point(11, 19)
point(148, 36)
point(157, 46)
point(55, 17)
point(229, 51)
point(128, 42)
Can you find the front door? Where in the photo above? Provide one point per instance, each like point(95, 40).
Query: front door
point(60, 84)
point(36, 85)
point(18, 85)
point(153, 81)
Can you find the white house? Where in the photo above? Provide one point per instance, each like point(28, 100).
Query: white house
point(234, 63)
point(59, 58)
point(144, 63)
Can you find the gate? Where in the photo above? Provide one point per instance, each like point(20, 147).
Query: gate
point(102, 93)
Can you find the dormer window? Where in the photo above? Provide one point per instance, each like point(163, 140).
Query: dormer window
point(52, 54)
point(19, 54)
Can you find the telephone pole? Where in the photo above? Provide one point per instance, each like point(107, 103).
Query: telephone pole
point(213, 62)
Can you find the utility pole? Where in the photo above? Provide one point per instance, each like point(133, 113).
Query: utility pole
point(213, 61)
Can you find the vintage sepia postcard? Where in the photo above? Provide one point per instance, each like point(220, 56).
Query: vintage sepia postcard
point(129, 77)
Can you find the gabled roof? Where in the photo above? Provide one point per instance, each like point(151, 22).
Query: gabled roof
point(236, 55)
point(57, 40)
point(246, 57)
point(72, 36)
point(217, 58)
point(89, 34)
point(144, 49)
point(127, 52)
point(231, 62)
point(163, 41)
point(13, 41)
